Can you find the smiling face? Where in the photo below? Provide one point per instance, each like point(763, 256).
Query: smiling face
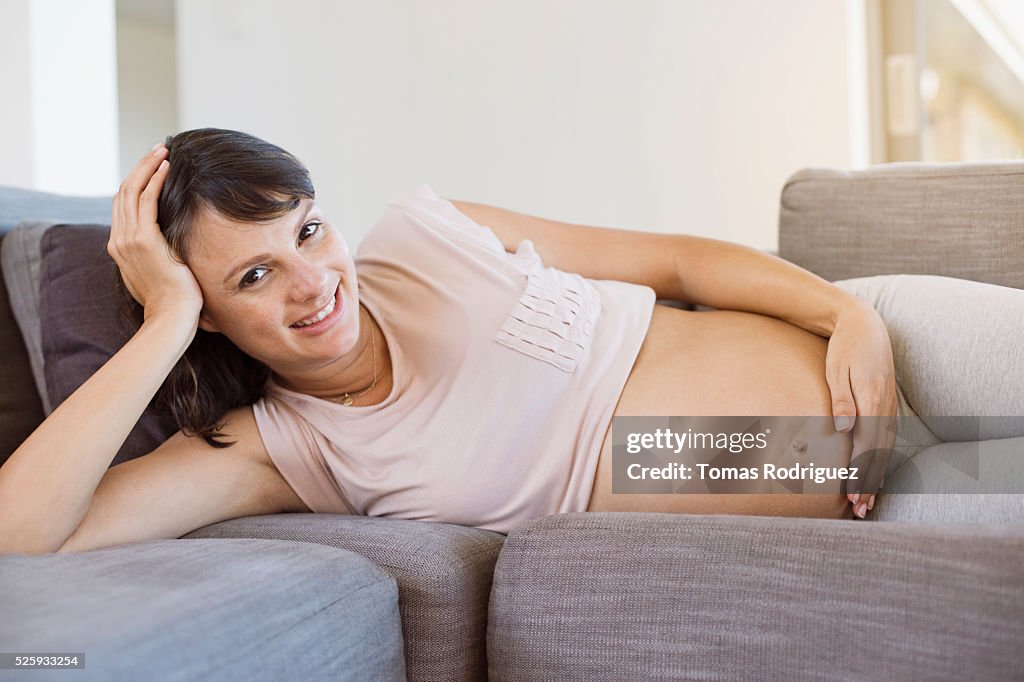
point(284, 291)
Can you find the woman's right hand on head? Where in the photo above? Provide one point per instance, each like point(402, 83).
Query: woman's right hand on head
point(154, 275)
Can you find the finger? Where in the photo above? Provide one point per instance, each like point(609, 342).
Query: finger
point(844, 413)
point(135, 183)
point(889, 424)
point(845, 418)
point(877, 463)
point(139, 175)
point(863, 445)
point(879, 459)
point(115, 224)
point(885, 428)
point(149, 200)
point(844, 405)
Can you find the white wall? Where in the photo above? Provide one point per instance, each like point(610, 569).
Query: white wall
point(665, 115)
point(59, 95)
point(74, 96)
point(16, 163)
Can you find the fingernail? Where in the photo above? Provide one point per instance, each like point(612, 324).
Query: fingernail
point(861, 510)
point(871, 502)
point(856, 499)
point(842, 423)
point(156, 147)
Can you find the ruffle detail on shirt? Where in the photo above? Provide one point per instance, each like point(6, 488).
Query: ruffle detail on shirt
point(554, 318)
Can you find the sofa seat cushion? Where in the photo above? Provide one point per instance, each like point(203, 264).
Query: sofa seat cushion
point(205, 610)
point(443, 573)
point(631, 596)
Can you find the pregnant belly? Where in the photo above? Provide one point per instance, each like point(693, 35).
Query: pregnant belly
point(723, 363)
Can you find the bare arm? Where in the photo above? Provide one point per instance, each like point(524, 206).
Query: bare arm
point(709, 272)
point(47, 484)
point(183, 485)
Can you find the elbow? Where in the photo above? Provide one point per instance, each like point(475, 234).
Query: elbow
point(27, 546)
point(27, 550)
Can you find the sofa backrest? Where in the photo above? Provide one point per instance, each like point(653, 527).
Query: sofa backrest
point(17, 204)
point(963, 220)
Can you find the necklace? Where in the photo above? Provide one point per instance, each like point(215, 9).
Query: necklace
point(348, 398)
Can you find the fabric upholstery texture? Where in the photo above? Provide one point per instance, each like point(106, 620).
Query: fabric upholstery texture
point(626, 596)
point(964, 483)
point(443, 573)
point(80, 323)
point(17, 204)
point(961, 220)
point(21, 409)
point(238, 609)
point(21, 263)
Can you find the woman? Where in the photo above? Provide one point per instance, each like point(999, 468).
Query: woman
point(288, 371)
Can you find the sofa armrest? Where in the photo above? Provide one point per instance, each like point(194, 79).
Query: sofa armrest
point(959, 220)
point(443, 573)
point(617, 596)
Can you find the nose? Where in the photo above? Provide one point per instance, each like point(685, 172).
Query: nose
point(309, 282)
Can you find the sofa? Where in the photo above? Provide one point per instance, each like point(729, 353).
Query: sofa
point(930, 586)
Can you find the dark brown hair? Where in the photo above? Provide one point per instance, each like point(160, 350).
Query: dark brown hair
point(245, 179)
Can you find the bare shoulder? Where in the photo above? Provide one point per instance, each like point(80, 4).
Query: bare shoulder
point(247, 455)
point(240, 425)
point(183, 485)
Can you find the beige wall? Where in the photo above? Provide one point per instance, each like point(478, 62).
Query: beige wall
point(665, 115)
point(147, 86)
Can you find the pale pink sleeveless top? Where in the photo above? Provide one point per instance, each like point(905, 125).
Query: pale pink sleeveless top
point(506, 376)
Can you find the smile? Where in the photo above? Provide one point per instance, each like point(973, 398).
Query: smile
point(323, 317)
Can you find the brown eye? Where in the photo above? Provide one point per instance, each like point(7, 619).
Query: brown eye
point(253, 276)
point(308, 231)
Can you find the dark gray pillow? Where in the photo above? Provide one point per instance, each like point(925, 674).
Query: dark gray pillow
point(20, 408)
point(81, 325)
point(19, 254)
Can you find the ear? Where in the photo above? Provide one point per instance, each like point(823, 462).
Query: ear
point(206, 324)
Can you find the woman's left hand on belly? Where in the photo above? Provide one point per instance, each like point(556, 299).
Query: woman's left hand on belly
point(862, 380)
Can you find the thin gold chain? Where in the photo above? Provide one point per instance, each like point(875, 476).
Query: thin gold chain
point(349, 398)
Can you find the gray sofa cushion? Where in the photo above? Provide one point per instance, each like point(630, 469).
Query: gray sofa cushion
point(960, 220)
point(21, 409)
point(81, 326)
point(17, 204)
point(203, 610)
point(20, 257)
point(63, 295)
point(621, 596)
point(443, 573)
